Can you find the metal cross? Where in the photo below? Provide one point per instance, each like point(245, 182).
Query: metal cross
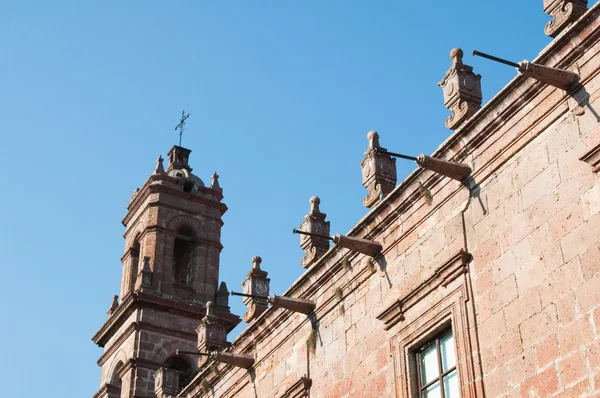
point(181, 125)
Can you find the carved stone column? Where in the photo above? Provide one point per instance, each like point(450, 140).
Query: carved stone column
point(256, 284)
point(462, 90)
point(378, 171)
point(563, 13)
point(314, 222)
point(166, 383)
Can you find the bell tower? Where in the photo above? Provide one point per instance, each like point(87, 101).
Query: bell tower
point(170, 271)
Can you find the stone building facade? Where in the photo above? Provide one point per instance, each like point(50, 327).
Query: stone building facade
point(477, 276)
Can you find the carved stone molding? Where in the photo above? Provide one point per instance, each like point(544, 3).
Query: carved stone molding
point(563, 13)
point(593, 158)
point(462, 90)
point(299, 389)
point(440, 303)
point(453, 268)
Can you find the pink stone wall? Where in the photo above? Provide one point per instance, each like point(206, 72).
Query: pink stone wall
point(524, 310)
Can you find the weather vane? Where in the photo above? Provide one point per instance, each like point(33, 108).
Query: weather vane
point(181, 125)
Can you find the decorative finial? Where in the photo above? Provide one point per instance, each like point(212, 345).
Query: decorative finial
point(314, 222)
point(314, 205)
point(215, 182)
point(373, 137)
point(456, 55)
point(256, 260)
point(181, 125)
point(378, 171)
point(209, 308)
point(114, 305)
point(159, 166)
point(462, 90)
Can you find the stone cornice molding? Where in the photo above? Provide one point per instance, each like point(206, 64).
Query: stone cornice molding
point(454, 267)
point(134, 301)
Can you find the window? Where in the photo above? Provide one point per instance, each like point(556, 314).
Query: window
point(135, 260)
point(183, 256)
point(436, 366)
point(115, 381)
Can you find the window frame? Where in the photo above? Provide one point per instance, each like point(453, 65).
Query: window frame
point(436, 340)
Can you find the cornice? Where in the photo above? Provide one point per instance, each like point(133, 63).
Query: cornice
point(454, 267)
point(134, 301)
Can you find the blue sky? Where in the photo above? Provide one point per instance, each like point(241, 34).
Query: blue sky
point(281, 96)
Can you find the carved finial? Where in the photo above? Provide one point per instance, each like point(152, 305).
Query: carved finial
point(563, 13)
point(159, 166)
point(256, 284)
point(209, 308)
point(314, 205)
point(378, 171)
point(456, 55)
point(314, 222)
point(462, 90)
point(114, 305)
point(256, 260)
point(373, 137)
point(215, 182)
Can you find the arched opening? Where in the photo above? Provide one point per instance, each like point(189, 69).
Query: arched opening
point(135, 261)
point(183, 368)
point(183, 256)
point(115, 380)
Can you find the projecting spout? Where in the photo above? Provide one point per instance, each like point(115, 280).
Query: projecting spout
point(364, 246)
point(239, 360)
point(293, 304)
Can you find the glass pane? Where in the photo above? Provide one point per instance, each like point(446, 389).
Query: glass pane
point(451, 385)
point(448, 352)
point(433, 391)
point(429, 365)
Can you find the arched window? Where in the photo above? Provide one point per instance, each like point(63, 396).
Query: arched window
point(115, 379)
point(183, 256)
point(183, 368)
point(135, 261)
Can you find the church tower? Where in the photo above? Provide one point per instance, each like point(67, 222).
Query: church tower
point(170, 271)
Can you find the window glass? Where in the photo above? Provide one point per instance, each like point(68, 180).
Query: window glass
point(433, 391)
point(436, 363)
point(448, 353)
point(451, 385)
point(429, 365)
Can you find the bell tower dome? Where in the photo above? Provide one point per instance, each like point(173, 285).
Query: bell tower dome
point(170, 271)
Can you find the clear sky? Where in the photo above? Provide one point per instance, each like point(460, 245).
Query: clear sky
point(281, 96)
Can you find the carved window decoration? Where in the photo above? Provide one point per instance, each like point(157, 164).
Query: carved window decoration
point(424, 317)
point(183, 256)
point(436, 368)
